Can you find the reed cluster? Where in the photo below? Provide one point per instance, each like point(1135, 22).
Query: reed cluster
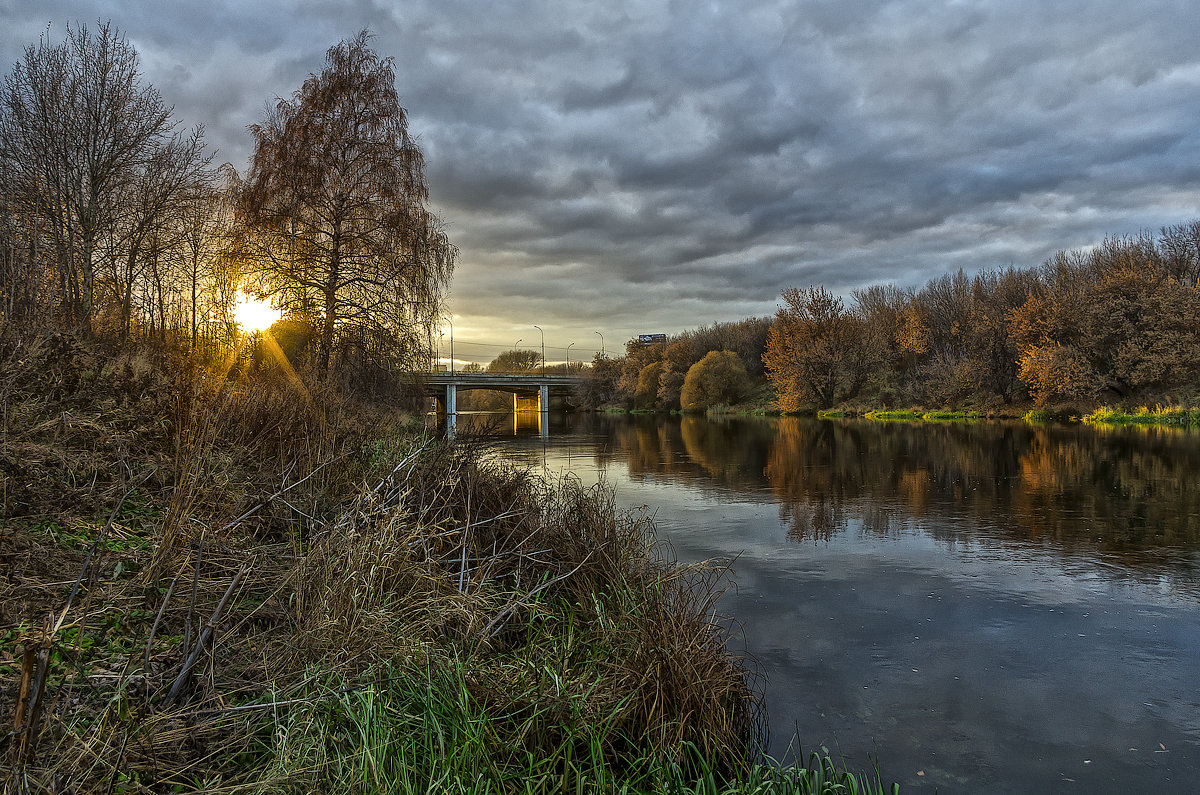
point(561, 612)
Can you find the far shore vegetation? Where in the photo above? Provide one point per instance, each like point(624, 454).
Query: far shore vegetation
point(1159, 415)
point(1091, 333)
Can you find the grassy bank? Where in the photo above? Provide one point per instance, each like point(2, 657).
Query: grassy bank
point(1170, 416)
point(422, 730)
point(911, 415)
point(238, 584)
point(762, 401)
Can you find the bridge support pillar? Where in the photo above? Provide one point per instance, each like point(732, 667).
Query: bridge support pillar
point(544, 410)
point(450, 405)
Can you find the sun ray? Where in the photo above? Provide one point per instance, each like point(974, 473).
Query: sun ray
point(272, 346)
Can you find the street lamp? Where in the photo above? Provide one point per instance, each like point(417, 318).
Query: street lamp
point(601, 343)
point(569, 358)
point(448, 320)
point(539, 328)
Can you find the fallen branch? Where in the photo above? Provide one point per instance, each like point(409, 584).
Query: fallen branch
point(154, 627)
point(191, 613)
point(263, 503)
point(205, 636)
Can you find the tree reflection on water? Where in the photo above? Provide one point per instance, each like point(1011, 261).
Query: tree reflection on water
point(1127, 495)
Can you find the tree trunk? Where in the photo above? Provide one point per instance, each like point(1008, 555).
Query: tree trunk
point(330, 308)
point(87, 283)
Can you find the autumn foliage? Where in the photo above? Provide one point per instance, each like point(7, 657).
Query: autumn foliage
point(1118, 322)
point(818, 352)
point(719, 379)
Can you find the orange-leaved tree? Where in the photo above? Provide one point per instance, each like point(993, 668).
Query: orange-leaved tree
point(818, 352)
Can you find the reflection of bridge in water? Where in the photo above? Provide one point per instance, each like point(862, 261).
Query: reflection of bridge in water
point(532, 392)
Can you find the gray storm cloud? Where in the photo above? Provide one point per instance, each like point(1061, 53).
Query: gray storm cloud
point(616, 166)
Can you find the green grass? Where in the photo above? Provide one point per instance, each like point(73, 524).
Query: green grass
point(762, 401)
point(1170, 416)
point(421, 729)
point(951, 416)
point(1046, 414)
point(912, 415)
point(899, 415)
point(741, 410)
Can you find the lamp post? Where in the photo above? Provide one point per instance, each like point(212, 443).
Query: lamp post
point(601, 343)
point(539, 328)
point(569, 358)
point(448, 320)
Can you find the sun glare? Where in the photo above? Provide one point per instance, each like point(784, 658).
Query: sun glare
point(254, 314)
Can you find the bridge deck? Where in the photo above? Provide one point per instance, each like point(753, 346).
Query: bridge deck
point(436, 383)
point(531, 391)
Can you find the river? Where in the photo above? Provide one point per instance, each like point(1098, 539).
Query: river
point(975, 607)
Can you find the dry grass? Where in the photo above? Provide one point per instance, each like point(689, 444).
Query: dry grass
point(182, 551)
point(551, 595)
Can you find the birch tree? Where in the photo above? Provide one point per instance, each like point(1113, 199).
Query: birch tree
point(335, 208)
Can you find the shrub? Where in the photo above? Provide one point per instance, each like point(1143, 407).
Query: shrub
point(647, 387)
point(718, 379)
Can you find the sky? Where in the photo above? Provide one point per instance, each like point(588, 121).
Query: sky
point(635, 166)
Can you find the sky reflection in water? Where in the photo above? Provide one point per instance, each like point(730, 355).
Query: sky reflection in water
point(979, 605)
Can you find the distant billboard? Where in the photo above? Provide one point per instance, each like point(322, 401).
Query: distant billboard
point(647, 339)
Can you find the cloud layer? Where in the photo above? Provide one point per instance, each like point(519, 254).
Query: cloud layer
point(653, 166)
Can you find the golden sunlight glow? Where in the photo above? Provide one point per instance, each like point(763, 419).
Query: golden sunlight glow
point(254, 314)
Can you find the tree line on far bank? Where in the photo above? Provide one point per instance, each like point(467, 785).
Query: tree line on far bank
point(1119, 323)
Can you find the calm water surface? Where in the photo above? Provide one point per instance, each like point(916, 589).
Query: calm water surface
point(977, 607)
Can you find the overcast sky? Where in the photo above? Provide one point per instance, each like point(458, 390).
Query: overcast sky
point(646, 166)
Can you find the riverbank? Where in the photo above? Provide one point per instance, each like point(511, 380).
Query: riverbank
point(247, 585)
point(1103, 414)
point(1170, 416)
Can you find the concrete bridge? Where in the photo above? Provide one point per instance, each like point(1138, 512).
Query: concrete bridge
point(530, 391)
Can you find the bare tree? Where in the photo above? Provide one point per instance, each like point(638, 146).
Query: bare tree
point(207, 263)
point(24, 280)
point(147, 226)
point(334, 206)
point(79, 127)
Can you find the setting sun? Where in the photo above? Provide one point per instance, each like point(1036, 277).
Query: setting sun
point(254, 314)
